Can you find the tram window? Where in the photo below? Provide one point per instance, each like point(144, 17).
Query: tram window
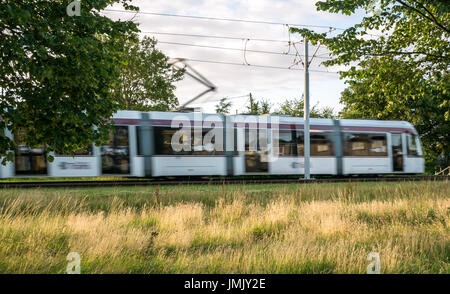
point(287, 143)
point(208, 149)
point(163, 143)
point(356, 145)
point(252, 140)
point(412, 145)
point(115, 154)
point(29, 160)
point(23, 163)
point(292, 144)
point(163, 140)
point(121, 136)
point(321, 145)
point(377, 145)
point(367, 145)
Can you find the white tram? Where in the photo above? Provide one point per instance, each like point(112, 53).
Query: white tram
point(140, 146)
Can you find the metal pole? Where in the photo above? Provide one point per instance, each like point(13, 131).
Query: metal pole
point(306, 114)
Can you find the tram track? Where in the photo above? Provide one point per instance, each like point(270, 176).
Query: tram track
point(128, 183)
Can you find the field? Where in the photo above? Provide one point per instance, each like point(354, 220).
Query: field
point(291, 228)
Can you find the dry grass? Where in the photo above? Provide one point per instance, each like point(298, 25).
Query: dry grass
point(326, 228)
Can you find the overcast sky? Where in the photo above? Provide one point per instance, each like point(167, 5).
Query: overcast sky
point(274, 85)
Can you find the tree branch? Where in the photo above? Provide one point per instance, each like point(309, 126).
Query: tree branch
point(405, 53)
point(429, 12)
point(432, 19)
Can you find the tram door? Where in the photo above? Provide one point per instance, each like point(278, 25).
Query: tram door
point(116, 154)
point(29, 161)
point(255, 160)
point(397, 152)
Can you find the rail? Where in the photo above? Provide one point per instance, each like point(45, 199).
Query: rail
point(90, 184)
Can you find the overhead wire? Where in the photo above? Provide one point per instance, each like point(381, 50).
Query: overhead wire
point(255, 65)
point(232, 49)
point(213, 37)
point(224, 19)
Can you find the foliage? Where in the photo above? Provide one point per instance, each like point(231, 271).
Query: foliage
point(292, 107)
point(146, 79)
point(258, 107)
point(401, 74)
point(295, 107)
point(223, 106)
point(407, 95)
point(57, 72)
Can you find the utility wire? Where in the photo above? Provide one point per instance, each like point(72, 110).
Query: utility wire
point(216, 37)
point(224, 19)
point(227, 98)
point(255, 65)
point(232, 49)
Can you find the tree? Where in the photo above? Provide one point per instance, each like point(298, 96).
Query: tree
point(401, 74)
point(223, 107)
point(146, 79)
point(407, 95)
point(295, 107)
point(57, 72)
point(258, 107)
point(327, 112)
point(264, 107)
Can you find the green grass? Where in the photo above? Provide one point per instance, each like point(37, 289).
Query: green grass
point(276, 228)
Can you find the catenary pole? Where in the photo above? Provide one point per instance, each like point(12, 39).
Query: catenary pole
point(306, 114)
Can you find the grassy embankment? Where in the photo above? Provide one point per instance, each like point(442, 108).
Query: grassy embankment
point(309, 228)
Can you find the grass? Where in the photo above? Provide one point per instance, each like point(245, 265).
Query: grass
point(291, 228)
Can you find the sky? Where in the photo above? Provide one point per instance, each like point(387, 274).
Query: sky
point(272, 85)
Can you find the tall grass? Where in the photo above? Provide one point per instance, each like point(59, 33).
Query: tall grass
point(317, 228)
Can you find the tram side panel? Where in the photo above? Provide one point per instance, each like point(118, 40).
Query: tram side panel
point(366, 153)
point(289, 159)
point(196, 158)
point(414, 161)
point(78, 166)
point(365, 147)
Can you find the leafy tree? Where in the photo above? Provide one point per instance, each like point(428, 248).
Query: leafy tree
point(402, 74)
point(223, 106)
point(295, 107)
point(327, 112)
point(57, 72)
point(258, 107)
point(264, 107)
point(407, 95)
point(146, 79)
